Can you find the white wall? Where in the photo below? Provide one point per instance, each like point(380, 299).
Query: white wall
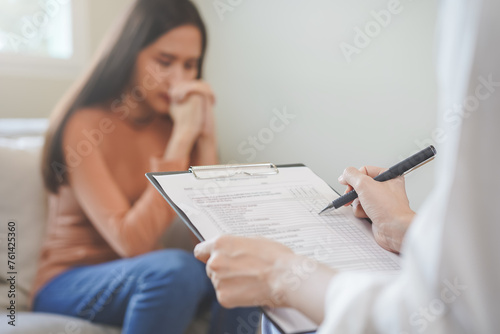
point(286, 54)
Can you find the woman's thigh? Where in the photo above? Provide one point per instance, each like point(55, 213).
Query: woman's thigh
point(101, 293)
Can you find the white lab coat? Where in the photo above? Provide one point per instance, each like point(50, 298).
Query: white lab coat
point(450, 281)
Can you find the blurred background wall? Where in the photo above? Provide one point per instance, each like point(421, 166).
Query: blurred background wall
point(328, 83)
point(375, 106)
point(26, 94)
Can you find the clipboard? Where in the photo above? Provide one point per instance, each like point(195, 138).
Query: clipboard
point(214, 172)
point(222, 171)
point(285, 320)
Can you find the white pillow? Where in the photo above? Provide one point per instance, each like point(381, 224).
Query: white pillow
point(22, 201)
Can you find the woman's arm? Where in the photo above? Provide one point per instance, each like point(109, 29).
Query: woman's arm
point(205, 147)
point(130, 229)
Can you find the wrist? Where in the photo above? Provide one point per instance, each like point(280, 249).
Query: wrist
point(205, 151)
point(282, 282)
point(179, 146)
point(184, 134)
point(407, 217)
point(395, 235)
point(206, 144)
point(208, 137)
point(303, 286)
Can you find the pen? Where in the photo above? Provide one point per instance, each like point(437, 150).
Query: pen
point(401, 168)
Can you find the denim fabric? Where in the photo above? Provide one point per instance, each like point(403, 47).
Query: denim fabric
point(159, 292)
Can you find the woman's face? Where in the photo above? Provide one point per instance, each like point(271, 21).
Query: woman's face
point(172, 58)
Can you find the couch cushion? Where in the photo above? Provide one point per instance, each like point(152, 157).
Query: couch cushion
point(22, 202)
point(47, 323)
point(36, 323)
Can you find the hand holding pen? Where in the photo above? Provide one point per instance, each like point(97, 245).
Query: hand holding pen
point(385, 203)
point(402, 168)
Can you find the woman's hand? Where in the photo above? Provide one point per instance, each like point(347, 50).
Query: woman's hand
point(385, 203)
point(188, 116)
point(183, 89)
point(186, 90)
point(205, 145)
point(192, 115)
point(261, 272)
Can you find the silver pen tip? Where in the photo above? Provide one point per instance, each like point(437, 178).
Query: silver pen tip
point(323, 210)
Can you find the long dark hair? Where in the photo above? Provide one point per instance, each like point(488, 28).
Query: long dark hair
point(147, 21)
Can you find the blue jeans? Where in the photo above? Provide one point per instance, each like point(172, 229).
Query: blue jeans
point(159, 292)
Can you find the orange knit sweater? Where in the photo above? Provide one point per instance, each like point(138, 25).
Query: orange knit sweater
point(108, 210)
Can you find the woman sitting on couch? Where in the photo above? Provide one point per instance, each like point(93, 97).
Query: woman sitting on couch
point(142, 108)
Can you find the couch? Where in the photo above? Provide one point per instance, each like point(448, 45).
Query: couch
point(23, 202)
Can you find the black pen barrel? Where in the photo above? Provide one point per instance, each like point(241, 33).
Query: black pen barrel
point(393, 172)
point(407, 164)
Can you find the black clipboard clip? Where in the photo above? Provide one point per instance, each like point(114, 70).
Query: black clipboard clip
point(228, 171)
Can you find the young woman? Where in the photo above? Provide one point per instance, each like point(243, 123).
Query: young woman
point(142, 108)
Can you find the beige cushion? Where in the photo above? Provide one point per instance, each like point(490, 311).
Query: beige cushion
point(22, 202)
point(46, 323)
